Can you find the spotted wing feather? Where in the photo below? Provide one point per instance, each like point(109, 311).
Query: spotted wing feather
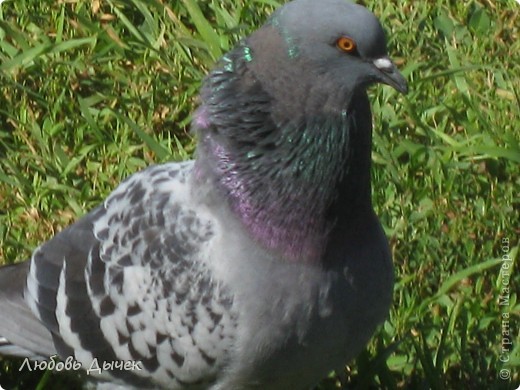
point(129, 282)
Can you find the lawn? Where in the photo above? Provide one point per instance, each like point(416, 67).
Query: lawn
point(92, 91)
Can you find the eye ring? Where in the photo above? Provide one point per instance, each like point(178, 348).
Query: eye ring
point(346, 44)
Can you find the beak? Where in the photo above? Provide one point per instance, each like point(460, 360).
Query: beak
point(390, 75)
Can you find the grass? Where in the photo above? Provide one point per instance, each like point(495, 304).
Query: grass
point(91, 92)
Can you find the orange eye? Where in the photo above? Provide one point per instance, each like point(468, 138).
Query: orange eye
point(346, 44)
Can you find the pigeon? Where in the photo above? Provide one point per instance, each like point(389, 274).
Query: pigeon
point(260, 264)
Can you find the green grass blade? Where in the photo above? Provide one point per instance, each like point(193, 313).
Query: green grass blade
point(204, 28)
point(161, 152)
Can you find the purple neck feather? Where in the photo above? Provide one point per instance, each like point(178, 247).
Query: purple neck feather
point(288, 218)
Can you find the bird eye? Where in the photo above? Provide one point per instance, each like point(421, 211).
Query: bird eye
point(346, 44)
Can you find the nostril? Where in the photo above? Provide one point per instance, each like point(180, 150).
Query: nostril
point(384, 64)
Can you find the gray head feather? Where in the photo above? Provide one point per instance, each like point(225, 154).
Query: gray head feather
point(313, 27)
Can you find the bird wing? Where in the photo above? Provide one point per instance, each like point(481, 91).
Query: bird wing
point(129, 282)
point(36, 341)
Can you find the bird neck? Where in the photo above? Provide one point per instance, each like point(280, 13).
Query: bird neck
point(288, 179)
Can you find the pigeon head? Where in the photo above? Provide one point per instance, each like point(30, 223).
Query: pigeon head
point(285, 125)
point(343, 39)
